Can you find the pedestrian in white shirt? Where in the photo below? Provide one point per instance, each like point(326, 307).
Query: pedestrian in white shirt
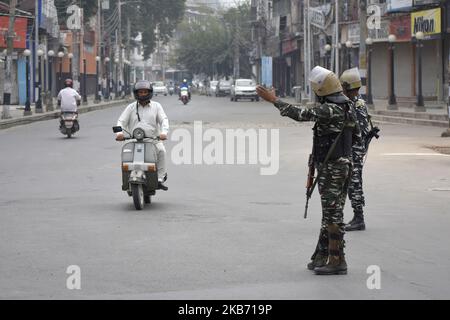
point(151, 117)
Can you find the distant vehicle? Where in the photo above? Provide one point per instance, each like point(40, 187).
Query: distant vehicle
point(212, 88)
point(223, 88)
point(159, 88)
point(244, 89)
point(184, 95)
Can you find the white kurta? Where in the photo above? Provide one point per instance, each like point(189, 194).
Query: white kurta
point(154, 121)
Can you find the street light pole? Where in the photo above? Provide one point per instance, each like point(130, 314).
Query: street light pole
point(349, 45)
point(60, 56)
point(85, 101)
point(107, 67)
point(419, 103)
point(50, 55)
point(328, 56)
point(27, 111)
point(38, 106)
point(369, 42)
point(116, 87)
point(446, 133)
point(392, 99)
point(70, 55)
point(97, 85)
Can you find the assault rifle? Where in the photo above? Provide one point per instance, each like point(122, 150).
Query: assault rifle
point(309, 181)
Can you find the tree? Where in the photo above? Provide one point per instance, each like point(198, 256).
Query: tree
point(155, 19)
point(209, 47)
point(205, 48)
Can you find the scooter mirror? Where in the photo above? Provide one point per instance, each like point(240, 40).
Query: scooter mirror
point(117, 129)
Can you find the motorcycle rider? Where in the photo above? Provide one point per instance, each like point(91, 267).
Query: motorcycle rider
point(151, 114)
point(185, 84)
point(68, 98)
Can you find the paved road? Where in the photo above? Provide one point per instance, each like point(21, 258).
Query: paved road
point(221, 231)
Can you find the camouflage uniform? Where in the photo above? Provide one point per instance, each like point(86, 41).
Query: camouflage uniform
point(330, 119)
point(355, 189)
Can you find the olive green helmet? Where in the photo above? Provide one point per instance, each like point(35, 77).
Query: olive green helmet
point(324, 82)
point(350, 79)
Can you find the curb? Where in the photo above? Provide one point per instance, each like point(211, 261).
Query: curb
point(9, 123)
point(410, 120)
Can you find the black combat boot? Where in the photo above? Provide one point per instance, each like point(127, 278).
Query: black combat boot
point(357, 223)
point(336, 259)
point(320, 255)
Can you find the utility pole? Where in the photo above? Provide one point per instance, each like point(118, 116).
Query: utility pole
point(236, 71)
point(8, 60)
point(120, 46)
point(99, 44)
point(128, 56)
point(305, 49)
point(337, 37)
point(362, 43)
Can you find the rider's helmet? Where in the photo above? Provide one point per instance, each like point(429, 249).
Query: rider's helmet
point(140, 85)
point(184, 81)
point(68, 83)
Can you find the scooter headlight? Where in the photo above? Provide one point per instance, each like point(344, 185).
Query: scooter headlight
point(138, 134)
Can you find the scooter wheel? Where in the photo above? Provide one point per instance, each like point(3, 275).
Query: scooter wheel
point(138, 196)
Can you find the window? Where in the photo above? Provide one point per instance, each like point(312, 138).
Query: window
point(283, 23)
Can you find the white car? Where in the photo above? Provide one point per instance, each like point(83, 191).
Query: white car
point(159, 88)
point(244, 89)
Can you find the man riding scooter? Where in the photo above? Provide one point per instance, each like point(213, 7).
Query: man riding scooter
point(185, 85)
point(69, 100)
point(151, 116)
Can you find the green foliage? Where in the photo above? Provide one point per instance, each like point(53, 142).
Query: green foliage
point(208, 47)
point(146, 16)
point(156, 19)
point(205, 47)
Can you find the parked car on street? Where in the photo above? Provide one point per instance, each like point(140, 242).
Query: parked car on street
point(223, 88)
point(212, 88)
point(159, 88)
point(244, 89)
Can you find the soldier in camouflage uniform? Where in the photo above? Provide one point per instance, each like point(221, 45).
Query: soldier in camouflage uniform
point(334, 118)
point(351, 82)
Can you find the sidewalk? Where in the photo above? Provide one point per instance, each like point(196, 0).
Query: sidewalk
point(18, 118)
point(435, 114)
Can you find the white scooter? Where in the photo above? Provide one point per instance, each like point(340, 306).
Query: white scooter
point(139, 170)
point(184, 95)
point(68, 124)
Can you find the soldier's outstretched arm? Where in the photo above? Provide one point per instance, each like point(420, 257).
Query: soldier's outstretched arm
point(296, 112)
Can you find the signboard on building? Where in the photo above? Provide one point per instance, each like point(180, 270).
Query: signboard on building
point(318, 15)
point(399, 5)
point(317, 18)
point(425, 2)
point(353, 32)
point(288, 46)
point(427, 21)
point(20, 31)
point(266, 71)
point(381, 34)
point(400, 26)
